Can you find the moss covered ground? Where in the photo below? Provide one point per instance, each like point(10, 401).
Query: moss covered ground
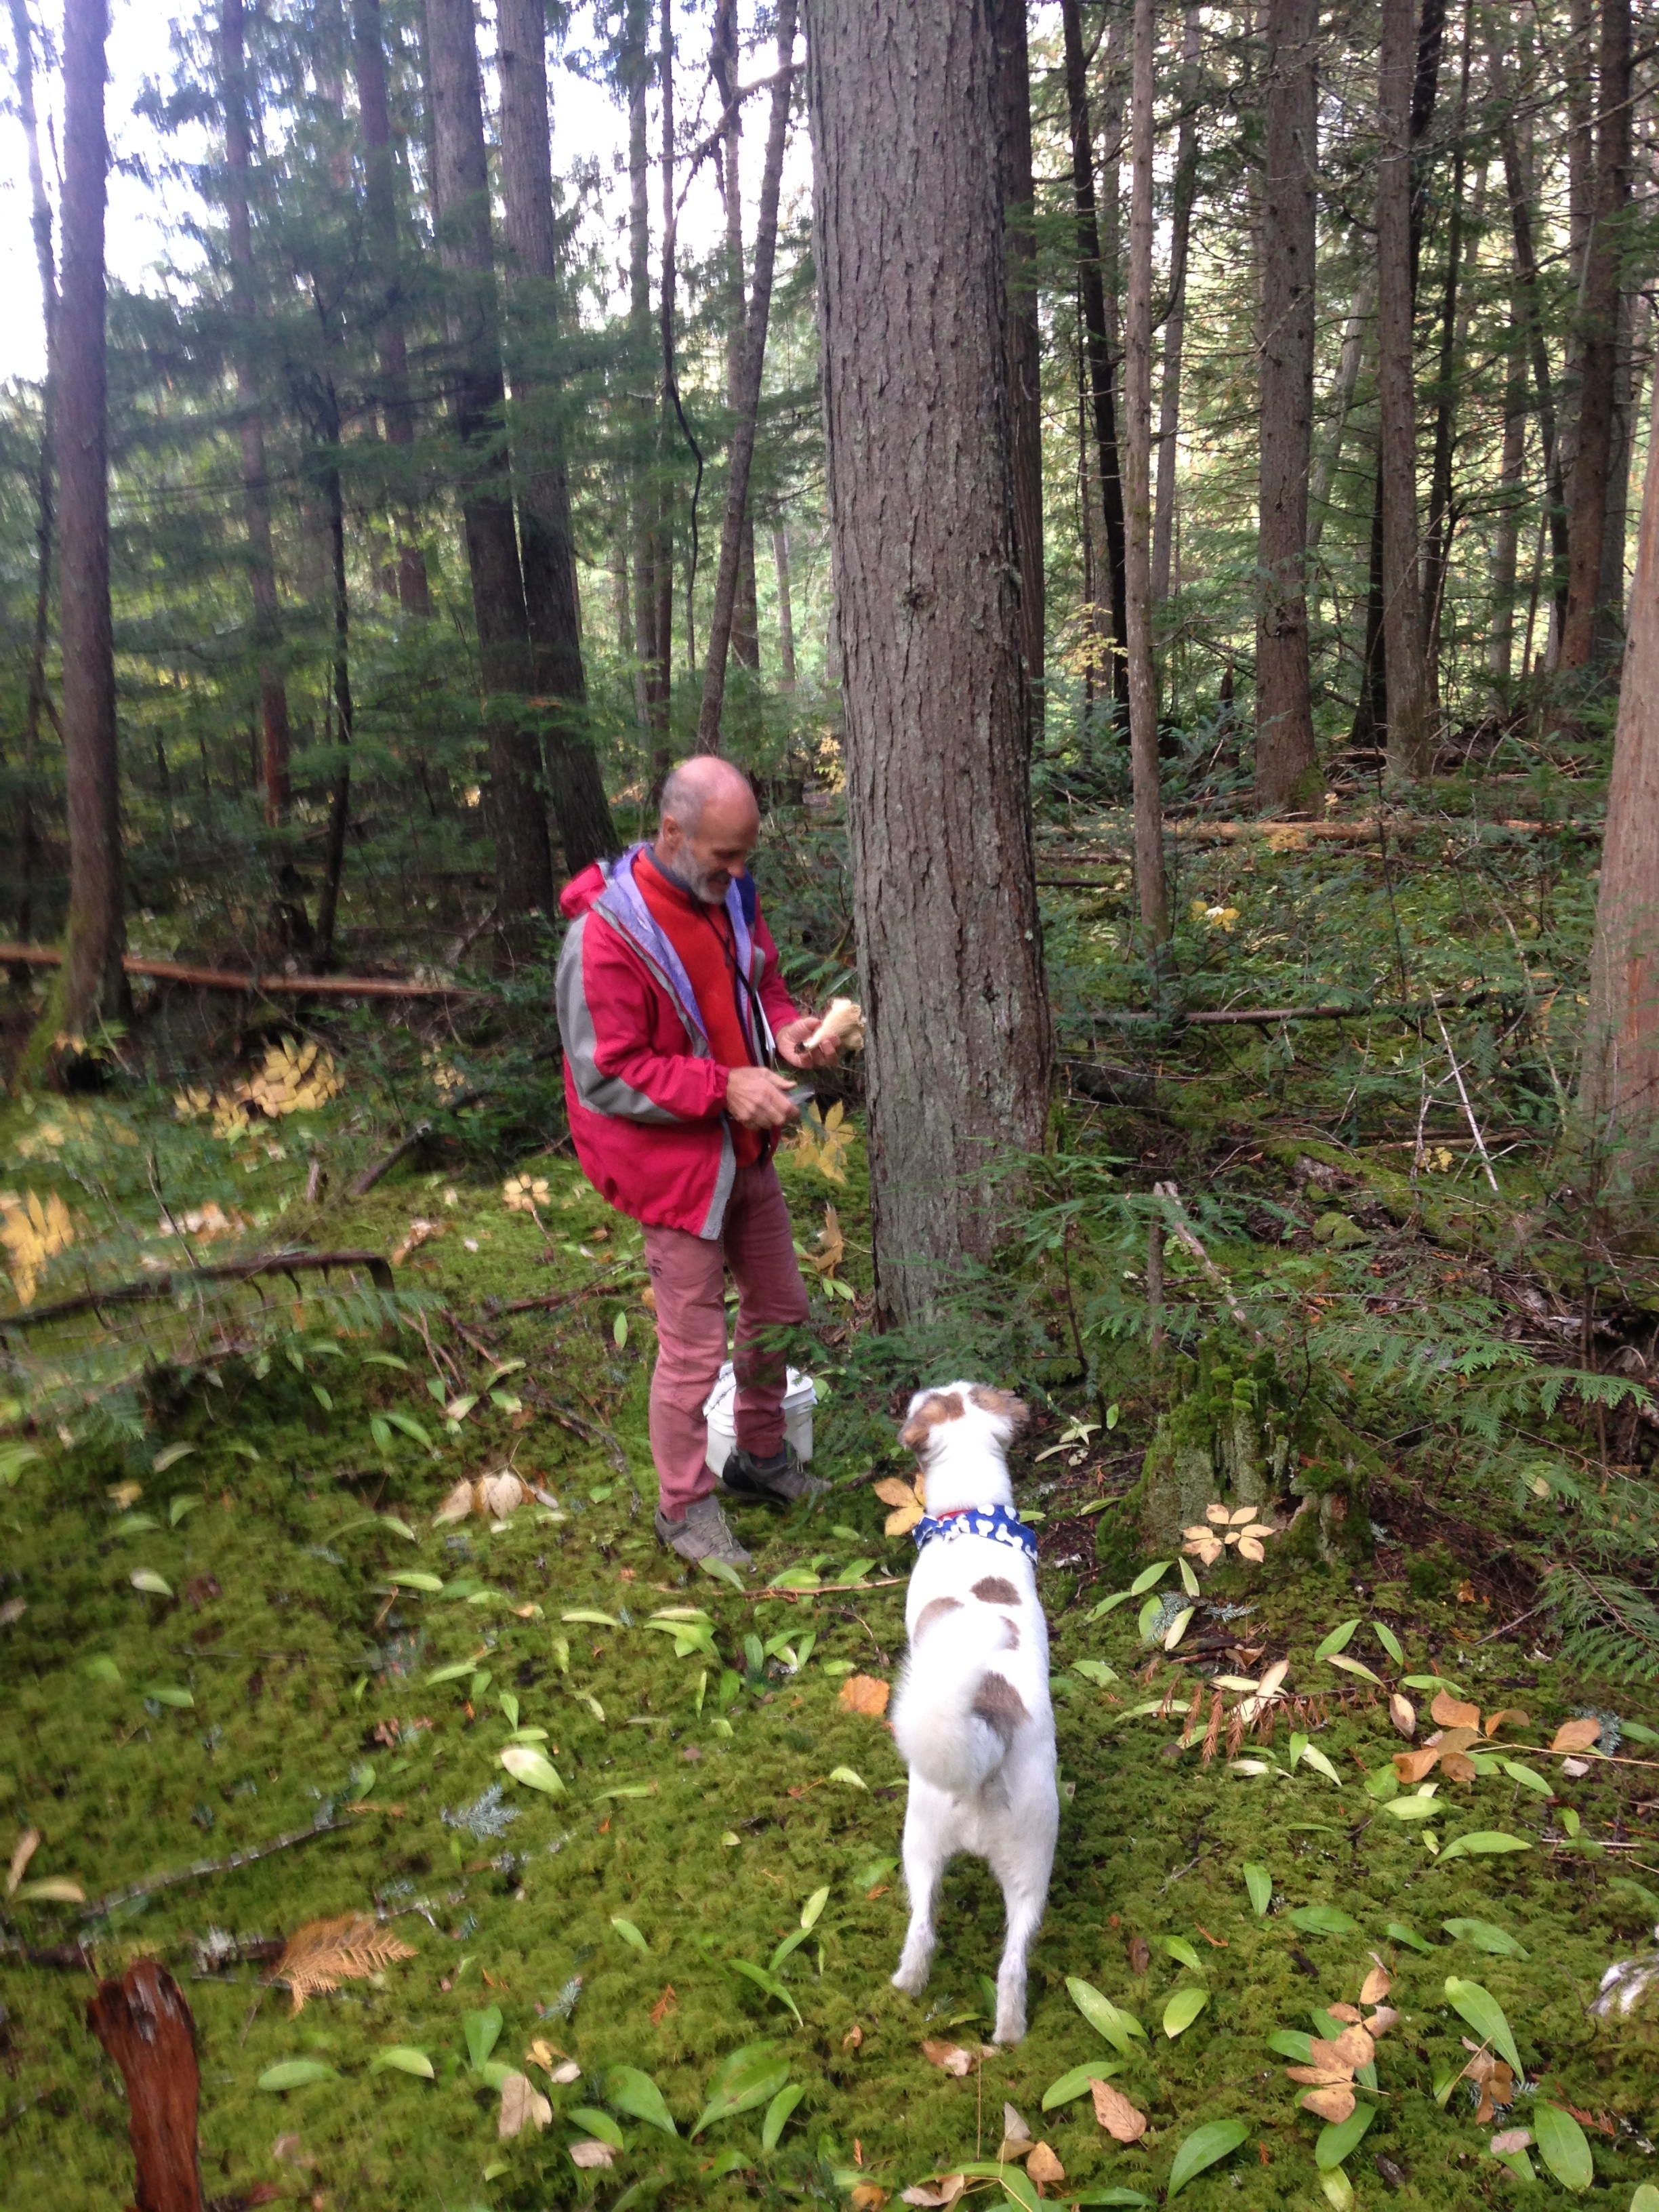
point(276, 1677)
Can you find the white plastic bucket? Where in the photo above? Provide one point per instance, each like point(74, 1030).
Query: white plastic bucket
point(799, 1396)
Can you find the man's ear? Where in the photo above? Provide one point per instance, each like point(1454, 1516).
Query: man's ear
point(939, 1406)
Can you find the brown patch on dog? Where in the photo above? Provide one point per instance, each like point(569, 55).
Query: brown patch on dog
point(942, 1406)
point(1001, 1403)
point(935, 1609)
point(994, 1589)
point(1011, 1643)
point(1000, 1705)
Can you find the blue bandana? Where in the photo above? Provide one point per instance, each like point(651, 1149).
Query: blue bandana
point(1000, 1523)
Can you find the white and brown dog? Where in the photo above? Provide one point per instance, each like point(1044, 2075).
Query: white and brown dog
point(972, 1718)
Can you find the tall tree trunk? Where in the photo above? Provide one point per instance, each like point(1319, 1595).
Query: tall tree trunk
point(1437, 549)
point(1286, 762)
point(1527, 290)
point(1025, 340)
point(397, 410)
point(666, 395)
point(1138, 501)
point(1512, 486)
point(94, 982)
point(737, 528)
point(1091, 283)
point(1343, 387)
point(22, 31)
point(256, 486)
point(1410, 740)
point(1620, 1087)
point(524, 863)
point(745, 619)
point(1578, 75)
point(1174, 323)
point(575, 784)
point(1593, 458)
point(903, 105)
point(634, 72)
point(1635, 329)
point(785, 611)
point(339, 811)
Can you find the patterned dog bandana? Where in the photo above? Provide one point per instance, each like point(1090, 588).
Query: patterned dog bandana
point(1000, 1523)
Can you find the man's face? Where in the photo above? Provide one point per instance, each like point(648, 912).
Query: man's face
point(707, 859)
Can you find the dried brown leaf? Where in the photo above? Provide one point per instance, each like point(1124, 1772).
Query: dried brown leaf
point(865, 1694)
point(1452, 1712)
point(1141, 1955)
point(1495, 1720)
point(946, 2192)
point(1375, 1986)
point(1014, 2129)
point(1511, 2140)
point(1403, 1714)
point(1457, 1766)
point(1356, 2047)
point(1411, 1766)
point(1380, 2021)
point(1043, 2166)
point(892, 1492)
point(1351, 2013)
point(949, 2056)
point(523, 2106)
point(1333, 2104)
point(900, 1522)
point(868, 2197)
point(323, 1954)
point(1116, 2114)
point(1320, 2076)
point(1219, 1514)
point(27, 1844)
point(1578, 1735)
point(1250, 1548)
point(586, 2154)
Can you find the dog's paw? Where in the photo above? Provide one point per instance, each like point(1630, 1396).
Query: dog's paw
point(913, 1980)
point(1010, 2028)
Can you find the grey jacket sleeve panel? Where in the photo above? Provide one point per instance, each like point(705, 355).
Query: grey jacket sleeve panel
point(599, 1092)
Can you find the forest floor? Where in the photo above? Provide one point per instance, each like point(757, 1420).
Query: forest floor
point(233, 1624)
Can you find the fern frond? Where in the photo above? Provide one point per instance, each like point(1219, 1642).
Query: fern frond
point(323, 1954)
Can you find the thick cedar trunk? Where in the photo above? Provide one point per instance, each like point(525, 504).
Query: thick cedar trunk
point(1410, 741)
point(95, 985)
point(145, 2025)
point(1511, 484)
point(1593, 458)
point(1286, 763)
point(1343, 386)
point(1092, 285)
point(339, 808)
point(256, 485)
point(1025, 346)
point(1634, 327)
point(745, 618)
point(524, 864)
point(575, 786)
point(397, 411)
point(40, 223)
point(785, 611)
point(650, 692)
point(1620, 1087)
point(1138, 501)
point(909, 229)
point(1174, 323)
point(737, 530)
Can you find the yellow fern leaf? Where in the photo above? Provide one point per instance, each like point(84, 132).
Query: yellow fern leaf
point(323, 1954)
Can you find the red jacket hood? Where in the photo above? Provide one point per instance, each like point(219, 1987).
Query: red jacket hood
point(579, 893)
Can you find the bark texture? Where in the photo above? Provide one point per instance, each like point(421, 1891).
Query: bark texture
point(1024, 348)
point(651, 658)
point(524, 865)
point(911, 307)
point(95, 985)
point(1286, 763)
point(1597, 390)
point(391, 345)
point(737, 533)
point(1410, 740)
point(40, 223)
point(1175, 322)
point(145, 2025)
point(1355, 332)
point(723, 63)
point(1620, 1089)
point(546, 550)
point(256, 486)
point(1150, 889)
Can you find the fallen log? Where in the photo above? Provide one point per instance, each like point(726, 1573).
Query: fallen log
point(1224, 1017)
point(144, 2024)
point(1292, 836)
point(164, 1284)
point(269, 985)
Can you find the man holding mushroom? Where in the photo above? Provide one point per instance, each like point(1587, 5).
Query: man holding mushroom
point(671, 1010)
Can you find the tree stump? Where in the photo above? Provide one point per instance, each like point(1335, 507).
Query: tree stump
point(1239, 1435)
point(145, 2025)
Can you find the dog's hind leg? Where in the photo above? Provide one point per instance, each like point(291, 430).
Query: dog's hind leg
point(1023, 1902)
point(926, 1851)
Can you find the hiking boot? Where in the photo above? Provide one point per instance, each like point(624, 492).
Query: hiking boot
point(703, 1534)
point(779, 1481)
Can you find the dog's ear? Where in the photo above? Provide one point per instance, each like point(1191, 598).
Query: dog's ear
point(937, 1406)
point(1002, 1406)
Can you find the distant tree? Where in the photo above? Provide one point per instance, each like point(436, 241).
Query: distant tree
point(912, 308)
point(1410, 741)
point(1152, 891)
point(94, 982)
point(22, 33)
point(1025, 339)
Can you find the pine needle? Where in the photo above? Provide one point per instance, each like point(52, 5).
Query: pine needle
point(322, 1955)
point(1189, 1726)
point(1212, 1733)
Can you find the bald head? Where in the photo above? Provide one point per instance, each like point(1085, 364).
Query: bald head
point(708, 828)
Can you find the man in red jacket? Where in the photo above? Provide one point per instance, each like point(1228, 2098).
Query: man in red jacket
point(670, 1009)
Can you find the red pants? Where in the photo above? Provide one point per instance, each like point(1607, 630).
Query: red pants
point(688, 1274)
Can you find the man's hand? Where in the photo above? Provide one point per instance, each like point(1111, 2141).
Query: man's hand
point(792, 1036)
point(758, 1099)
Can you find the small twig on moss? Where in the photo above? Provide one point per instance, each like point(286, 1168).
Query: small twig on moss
point(1187, 1240)
point(204, 1869)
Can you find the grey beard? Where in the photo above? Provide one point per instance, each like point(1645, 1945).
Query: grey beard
point(689, 877)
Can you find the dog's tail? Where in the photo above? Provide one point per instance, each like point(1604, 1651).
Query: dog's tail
point(956, 1713)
